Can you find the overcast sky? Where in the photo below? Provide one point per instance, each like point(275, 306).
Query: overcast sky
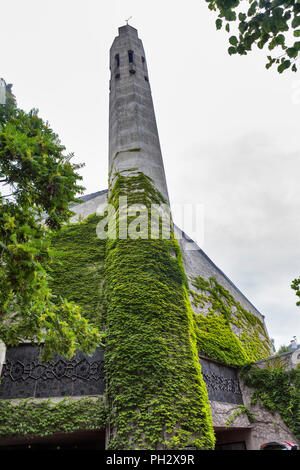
point(229, 129)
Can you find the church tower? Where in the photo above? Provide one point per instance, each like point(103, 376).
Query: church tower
point(150, 346)
point(176, 329)
point(133, 134)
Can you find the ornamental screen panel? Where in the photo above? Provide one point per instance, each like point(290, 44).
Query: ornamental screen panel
point(24, 375)
point(222, 382)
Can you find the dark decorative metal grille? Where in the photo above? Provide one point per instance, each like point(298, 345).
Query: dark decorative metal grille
point(24, 375)
point(222, 382)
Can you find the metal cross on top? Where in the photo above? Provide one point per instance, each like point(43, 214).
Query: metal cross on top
point(128, 20)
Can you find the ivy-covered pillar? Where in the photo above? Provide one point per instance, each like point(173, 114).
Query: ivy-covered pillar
point(156, 393)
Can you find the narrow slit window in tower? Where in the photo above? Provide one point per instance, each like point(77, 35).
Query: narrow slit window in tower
point(130, 57)
point(143, 62)
point(117, 60)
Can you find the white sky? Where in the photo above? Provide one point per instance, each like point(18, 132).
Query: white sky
point(229, 129)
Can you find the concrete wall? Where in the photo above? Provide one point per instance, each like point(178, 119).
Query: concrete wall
point(197, 263)
point(267, 426)
point(132, 123)
point(94, 203)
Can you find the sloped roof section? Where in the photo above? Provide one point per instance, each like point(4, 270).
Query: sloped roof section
point(89, 197)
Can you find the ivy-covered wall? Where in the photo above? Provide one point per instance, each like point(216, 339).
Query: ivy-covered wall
point(157, 395)
point(277, 390)
point(31, 418)
point(79, 271)
point(225, 330)
point(137, 290)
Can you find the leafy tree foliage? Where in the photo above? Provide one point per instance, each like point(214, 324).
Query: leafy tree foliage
point(296, 286)
point(38, 183)
point(270, 23)
point(283, 349)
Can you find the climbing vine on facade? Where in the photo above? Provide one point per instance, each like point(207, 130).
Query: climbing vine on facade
point(241, 409)
point(31, 418)
point(278, 390)
point(225, 330)
point(77, 272)
point(157, 395)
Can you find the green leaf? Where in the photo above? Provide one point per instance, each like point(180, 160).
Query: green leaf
point(292, 52)
point(252, 9)
point(218, 23)
point(280, 39)
point(232, 50)
point(297, 45)
point(271, 62)
point(297, 33)
point(296, 21)
point(243, 27)
point(230, 15)
point(272, 44)
point(233, 40)
point(284, 65)
point(227, 27)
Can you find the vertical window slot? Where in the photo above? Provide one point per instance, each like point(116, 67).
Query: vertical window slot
point(130, 57)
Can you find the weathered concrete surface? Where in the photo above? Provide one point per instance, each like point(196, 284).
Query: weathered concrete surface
point(222, 412)
point(267, 426)
point(197, 263)
point(133, 134)
point(91, 204)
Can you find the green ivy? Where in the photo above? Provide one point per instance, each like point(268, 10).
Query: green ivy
point(216, 340)
point(138, 290)
point(241, 409)
point(264, 23)
point(157, 396)
point(278, 390)
point(31, 418)
point(78, 272)
point(214, 329)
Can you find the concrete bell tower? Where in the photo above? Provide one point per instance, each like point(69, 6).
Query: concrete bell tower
point(133, 134)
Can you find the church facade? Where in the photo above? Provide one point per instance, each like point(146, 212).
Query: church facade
point(177, 330)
